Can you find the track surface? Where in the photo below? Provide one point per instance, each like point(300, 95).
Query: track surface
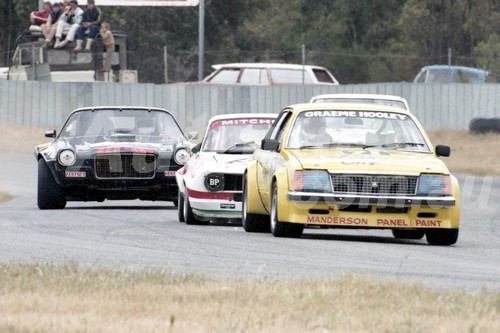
point(145, 235)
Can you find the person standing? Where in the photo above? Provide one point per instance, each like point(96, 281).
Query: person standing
point(49, 28)
point(72, 19)
point(109, 41)
point(91, 21)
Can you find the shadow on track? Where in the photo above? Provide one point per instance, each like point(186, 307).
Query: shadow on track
point(363, 239)
point(122, 208)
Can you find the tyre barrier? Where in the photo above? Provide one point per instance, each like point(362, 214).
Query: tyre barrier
point(484, 125)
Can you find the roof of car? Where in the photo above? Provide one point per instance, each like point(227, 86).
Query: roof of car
point(463, 68)
point(115, 107)
point(242, 115)
point(344, 106)
point(264, 65)
point(360, 96)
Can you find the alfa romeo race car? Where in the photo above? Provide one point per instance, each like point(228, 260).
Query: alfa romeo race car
point(350, 166)
point(111, 153)
point(210, 183)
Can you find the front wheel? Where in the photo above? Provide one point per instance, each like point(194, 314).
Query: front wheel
point(189, 216)
point(251, 222)
point(180, 207)
point(282, 229)
point(442, 236)
point(408, 234)
point(50, 194)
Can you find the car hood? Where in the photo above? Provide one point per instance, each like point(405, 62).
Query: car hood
point(369, 160)
point(229, 163)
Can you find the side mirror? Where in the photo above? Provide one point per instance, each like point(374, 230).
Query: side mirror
point(192, 135)
point(50, 133)
point(270, 145)
point(196, 148)
point(443, 150)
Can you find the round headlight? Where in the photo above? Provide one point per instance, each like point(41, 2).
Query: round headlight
point(181, 156)
point(67, 157)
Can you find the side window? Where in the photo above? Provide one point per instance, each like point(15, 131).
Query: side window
point(322, 75)
point(254, 76)
point(280, 127)
point(421, 77)
point(271, 134)
point(226, 76)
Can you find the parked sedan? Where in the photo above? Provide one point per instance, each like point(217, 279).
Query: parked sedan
point(210, 183)
point(351, 166)
point(111, 153)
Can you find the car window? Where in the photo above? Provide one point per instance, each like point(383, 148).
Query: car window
point(438, 76)
point(322, 75)
point(226, 76)
point(421, 77)
point(290, 76)
point(254, 76)
point(468, 77)
point(274, 130)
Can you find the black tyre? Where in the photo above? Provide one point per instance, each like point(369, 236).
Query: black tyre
point(408, 234)
point(442, 236)
point(176, 202)
point(50, 195)
point(282, 229)
point(180, 207)
point(252, 222)
point(484, 125)
point(189, 216)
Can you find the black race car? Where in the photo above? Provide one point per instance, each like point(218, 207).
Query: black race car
point(114, 153)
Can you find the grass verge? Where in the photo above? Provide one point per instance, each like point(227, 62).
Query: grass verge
point(70, 299)
point(4, 197)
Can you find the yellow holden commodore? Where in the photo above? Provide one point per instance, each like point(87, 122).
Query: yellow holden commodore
point(351, 166)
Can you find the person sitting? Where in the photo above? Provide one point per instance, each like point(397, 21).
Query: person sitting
point(70, 19)
point(91, 21)
point(41, 17)
point(49, 28)
point(313, 132)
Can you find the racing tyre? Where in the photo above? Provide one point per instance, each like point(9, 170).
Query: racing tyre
point(189, 216)
point(408, 234)
point(50, 195)
point(282, 229)
point(442, 236)
point(252, 222)
point(180, 207)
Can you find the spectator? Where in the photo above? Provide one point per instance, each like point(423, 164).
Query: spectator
point(71, 19)
point(49, 28)
point(109, 41)
point(39, 18)
point(91, 21)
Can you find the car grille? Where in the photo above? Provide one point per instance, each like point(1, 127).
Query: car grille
point(233, 182)
point(374, 184)
point(132, 166)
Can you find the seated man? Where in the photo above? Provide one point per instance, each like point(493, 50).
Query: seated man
point(41, 17)
point(70, 19)
point(91, 21)
point(49, 28)
point(313, 132)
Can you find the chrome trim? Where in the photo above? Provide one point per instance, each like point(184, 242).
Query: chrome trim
point(406, 201)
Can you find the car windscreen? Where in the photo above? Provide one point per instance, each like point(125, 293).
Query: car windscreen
point(229, 134)
point(366, 129)
point(118, 125)
point(376, 101)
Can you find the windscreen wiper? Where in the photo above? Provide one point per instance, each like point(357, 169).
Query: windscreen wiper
point(236, 145)
point(397, 144)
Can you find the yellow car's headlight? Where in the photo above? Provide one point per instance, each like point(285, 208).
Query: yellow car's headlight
point(312, 181)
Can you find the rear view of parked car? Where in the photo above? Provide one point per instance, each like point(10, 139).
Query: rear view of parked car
point(453, 74)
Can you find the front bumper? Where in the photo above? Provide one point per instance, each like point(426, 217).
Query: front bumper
point(220, 205)
point(368, 211)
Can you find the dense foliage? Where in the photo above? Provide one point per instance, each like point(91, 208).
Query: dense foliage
point(359, 41)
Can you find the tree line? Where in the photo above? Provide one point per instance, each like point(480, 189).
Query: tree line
point(358, 41)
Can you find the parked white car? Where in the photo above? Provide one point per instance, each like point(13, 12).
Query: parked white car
point(210, 184)
point(269, 74)
point(387, 100)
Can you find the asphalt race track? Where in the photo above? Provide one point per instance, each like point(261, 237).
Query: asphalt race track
point(147, 235)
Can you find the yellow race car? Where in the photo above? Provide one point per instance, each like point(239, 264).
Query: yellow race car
point(350, 166)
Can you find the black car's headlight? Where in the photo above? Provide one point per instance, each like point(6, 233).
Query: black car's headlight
point(181, 156)
point(312, 181)
point(66, 157)
point(434, 185)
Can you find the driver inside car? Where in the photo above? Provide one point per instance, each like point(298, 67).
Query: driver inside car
point(313, 131)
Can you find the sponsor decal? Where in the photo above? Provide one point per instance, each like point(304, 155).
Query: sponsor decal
point(227, 206)
point(108, 150)
point(75, 174)
point(243, 121)
point(337, 220)
point(356, 114)
point(169, 173)
point(408, 223)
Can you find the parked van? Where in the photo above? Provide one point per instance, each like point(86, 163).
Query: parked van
point(453, 74)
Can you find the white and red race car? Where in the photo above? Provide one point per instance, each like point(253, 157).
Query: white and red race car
point(210, 184)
